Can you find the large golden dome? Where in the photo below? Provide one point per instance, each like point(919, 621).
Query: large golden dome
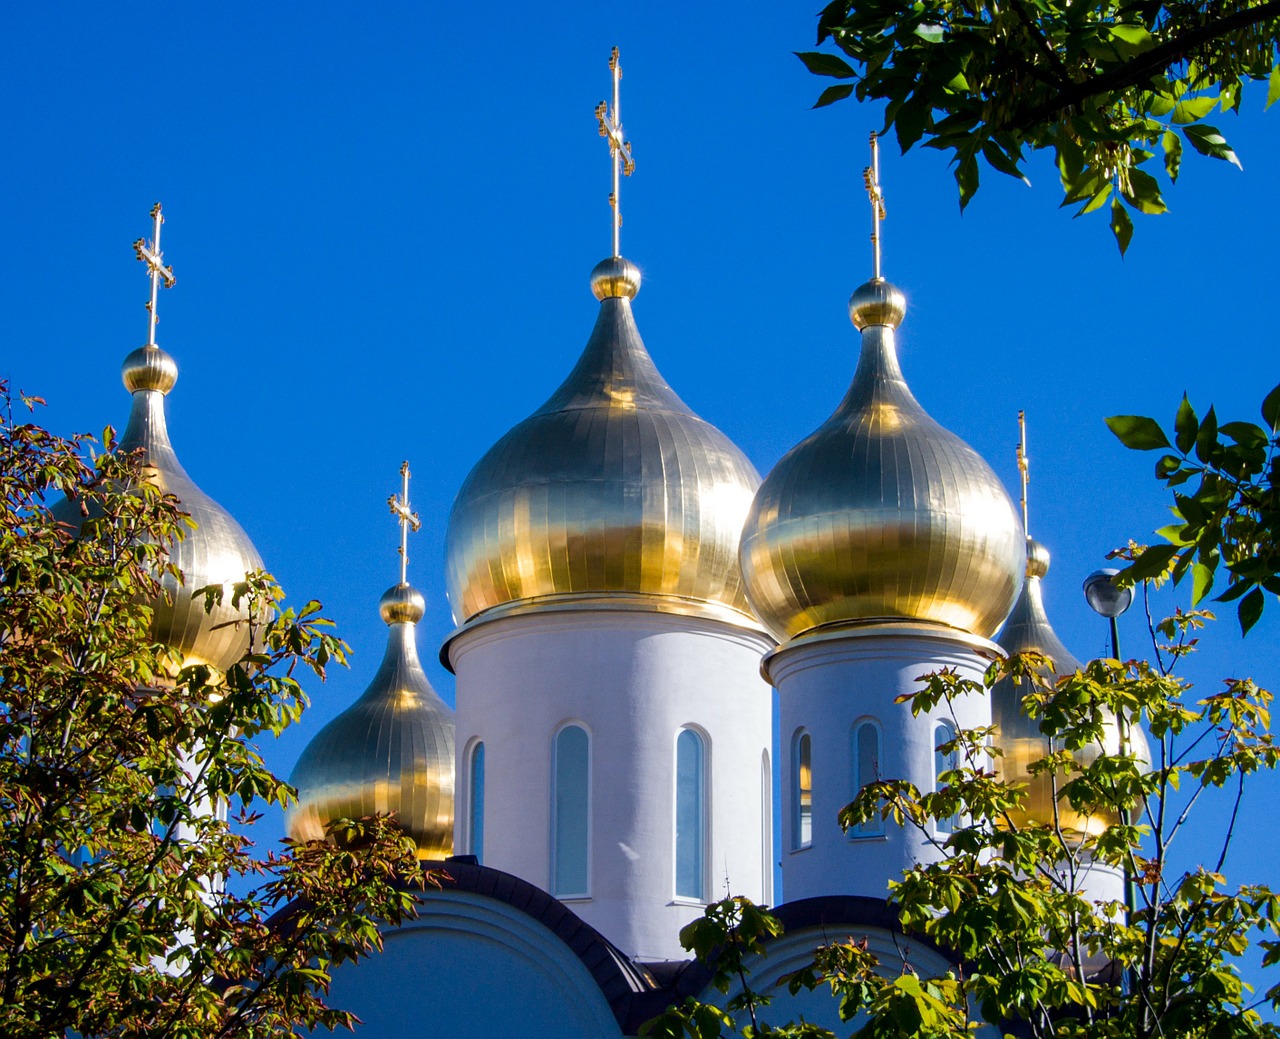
point(881, 514)
point(1018, 735)
point(217, 551)
point(390, 751)
point(612, 492)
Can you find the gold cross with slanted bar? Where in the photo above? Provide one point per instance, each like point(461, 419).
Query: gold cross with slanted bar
point(619, 147)
point(871, 178)
point(406, 518)
point(149, 253)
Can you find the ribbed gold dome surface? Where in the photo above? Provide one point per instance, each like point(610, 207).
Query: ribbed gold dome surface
point(217, 551)
point(1028, 631)
point(612, 490)
point(881, 514)
point(390, 751)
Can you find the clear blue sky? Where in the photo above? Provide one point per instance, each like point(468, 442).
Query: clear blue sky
point(382, 219)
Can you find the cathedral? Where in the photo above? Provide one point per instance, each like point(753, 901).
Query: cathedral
point(628, 592)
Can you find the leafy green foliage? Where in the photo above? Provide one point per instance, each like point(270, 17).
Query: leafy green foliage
point(1003, 893)
point(1227, 523)
point(1098, 84)
point(129, 904)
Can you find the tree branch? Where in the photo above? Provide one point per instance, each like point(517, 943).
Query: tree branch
point(1139, 69)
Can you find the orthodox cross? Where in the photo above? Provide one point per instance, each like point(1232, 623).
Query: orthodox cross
point(619, 147)
point(149, 253)
point(406, 518)
point(871, 178)
point(1024, 465)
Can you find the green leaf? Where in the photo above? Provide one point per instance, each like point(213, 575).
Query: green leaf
point(1098, 201)
point(967, 179)
point(1144, 193)
point(1121, 225)
point(930, 33)
point(826, 64)
point(1191, 110)
point(1271, 410)
point(909, 121)
point(1185, 426)
point(1172, 154)
point(1152, 562)
point(1207, 140)
point(1207, 438)
point(1134, 35)
point(1138, 432)
point(833, 94)
point(996, 157)
point(1201, 582)
point(1273, 88)
point(1249, 610)
point(1096, 190)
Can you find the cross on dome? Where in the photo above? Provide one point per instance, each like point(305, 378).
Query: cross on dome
point(406, 518)
point(610, 121)
point(149, 253)
point(1024, 466)
point(871, 178)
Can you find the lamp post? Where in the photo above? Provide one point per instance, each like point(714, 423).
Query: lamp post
point(1107, 599)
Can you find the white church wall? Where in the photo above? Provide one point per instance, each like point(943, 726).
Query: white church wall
point(827, 688)
point(471, 967)
point(633, 681)
point(794, 950)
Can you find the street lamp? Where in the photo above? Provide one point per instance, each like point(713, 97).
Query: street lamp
point(1108, 599)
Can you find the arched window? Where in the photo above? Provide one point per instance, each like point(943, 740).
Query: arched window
point(766, 829)
point(475, 802)
point(944, 762)
point(866, 770)
point(691, 815)
point(570, 807)
point(801, 790)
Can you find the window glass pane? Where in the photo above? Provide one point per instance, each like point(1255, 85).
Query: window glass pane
point(944, 763)
point(802, 793)
point(766, 828)
point(866, 765)
point(690, 816)
point(570, 812)
point(475, 825)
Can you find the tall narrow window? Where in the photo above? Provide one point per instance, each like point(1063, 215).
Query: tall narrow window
point(691, 815)
point(866, 770)
point(801, 791)
point(570, 824)
point(766, 829)
point(475, 803)
point(944, 761)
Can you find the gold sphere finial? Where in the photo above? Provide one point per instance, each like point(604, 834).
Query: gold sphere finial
point(402, 604)
point(149, 368)
point(615, 277)
point(877, 302)
point(1037, 558)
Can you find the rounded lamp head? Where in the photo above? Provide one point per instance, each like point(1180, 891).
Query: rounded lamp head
point(1104, 596)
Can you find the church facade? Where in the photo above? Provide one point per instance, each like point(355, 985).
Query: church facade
point(628, 594)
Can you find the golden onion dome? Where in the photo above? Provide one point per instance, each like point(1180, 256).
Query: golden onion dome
point(881, 514)
point(216, 552)
point(1018, 735)
point(389, 752)
point(612, 493)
